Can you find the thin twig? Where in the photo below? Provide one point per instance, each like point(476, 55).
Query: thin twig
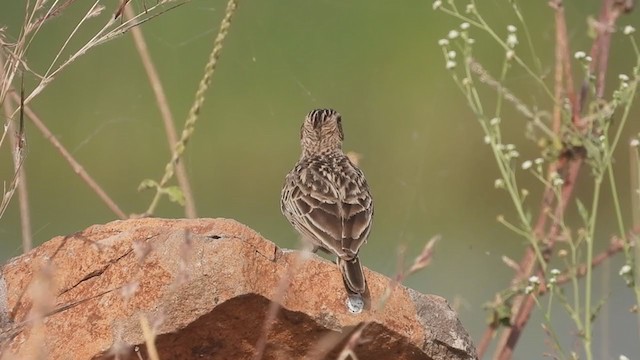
point(19, 154)
point(562, 49)
point(194, 112)
point(487, 338)
point(486, 78)
point(149, 338)
point(108, 32)
point(616, 246)
point(75, 165)
point(354, 339)
point(53, 12)
point(17, 140)
point(275, 304)
point(165, 112)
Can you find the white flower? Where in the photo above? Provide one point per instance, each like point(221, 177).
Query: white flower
point(579, 55)
point(443, 42)
point(538, 161)
point(436, 4)
point(451, 54)
point(526, 165)
point(498, 183)
point(624, 270)
point(511, 28)
point(622, 357)
point(623, 77)
point(464, 26)
point(528, 290)
point(466, 81)
point(495, 121)
point(513, 154)
point(450, 64)
point(534, 280)
point(470, 8)
point(510, 54)
point(628, 30)
point(471, 41)
point(587, 58)
point(453, 34)
point(510, 147)
point(555, 272)
point(634, 142)
point(557, 181)
point(487, 139)
point(512, 40)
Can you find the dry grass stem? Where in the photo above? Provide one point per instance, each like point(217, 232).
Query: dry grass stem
point(634, 170)
point(18, 145)
point(512, 264)
point(274, 305)
point(349, 348)
point(424, 259)
point(36, 17)
point(486, 78)
point(420, 262)
point(194, 112)
point(13, 53)
point(165, 111)
point(75, 165)
point(149, 338)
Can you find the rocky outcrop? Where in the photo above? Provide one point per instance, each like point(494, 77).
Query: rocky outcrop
point(206, 288)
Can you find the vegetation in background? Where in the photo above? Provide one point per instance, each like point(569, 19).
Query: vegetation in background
point(578, 136)
point(582, 129)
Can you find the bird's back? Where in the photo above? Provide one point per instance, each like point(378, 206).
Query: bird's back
point(326, 198)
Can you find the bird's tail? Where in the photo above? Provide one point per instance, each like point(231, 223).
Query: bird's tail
point(352, 275)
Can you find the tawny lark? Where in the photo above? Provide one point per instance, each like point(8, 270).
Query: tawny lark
point(326, 197)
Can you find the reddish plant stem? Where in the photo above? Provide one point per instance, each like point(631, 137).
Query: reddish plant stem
point(616, 246)
point(523, 305)
point(487, 337)
point(569, 165)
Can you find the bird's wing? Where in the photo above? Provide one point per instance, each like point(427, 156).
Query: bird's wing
point(357, 208)
point(329, 203)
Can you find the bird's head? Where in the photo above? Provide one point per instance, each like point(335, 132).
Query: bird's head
point(321, 132)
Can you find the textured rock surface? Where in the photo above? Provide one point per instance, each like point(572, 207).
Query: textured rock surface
point(205, 286)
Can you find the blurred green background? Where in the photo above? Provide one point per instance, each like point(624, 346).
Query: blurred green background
point(378, 63)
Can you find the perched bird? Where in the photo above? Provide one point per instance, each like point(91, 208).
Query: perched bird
point(326, 197)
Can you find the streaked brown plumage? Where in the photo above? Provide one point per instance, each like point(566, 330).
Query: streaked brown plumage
point(326, 197)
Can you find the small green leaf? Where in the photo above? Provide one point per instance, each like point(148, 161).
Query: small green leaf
point(582, 210)
point(596, 310)
point(147, 184)
point(175, 194)
point(503, 313)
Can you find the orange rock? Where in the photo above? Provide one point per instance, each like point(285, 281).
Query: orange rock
point(206, 287)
